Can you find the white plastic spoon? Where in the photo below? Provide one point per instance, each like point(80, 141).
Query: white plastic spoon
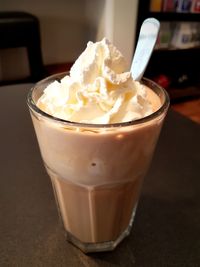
point(146, 43)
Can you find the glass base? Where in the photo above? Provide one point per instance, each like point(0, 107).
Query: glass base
point(112, 234)
point(101, 246)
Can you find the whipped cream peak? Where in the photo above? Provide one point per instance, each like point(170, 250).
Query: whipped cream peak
point(98, 90)
point(99, 59)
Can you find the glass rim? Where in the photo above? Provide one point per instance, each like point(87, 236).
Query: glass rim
point(32, 106)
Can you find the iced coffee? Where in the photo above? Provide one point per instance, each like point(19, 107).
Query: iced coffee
point(97, 129)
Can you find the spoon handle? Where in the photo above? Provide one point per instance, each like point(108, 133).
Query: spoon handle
point(146, 42)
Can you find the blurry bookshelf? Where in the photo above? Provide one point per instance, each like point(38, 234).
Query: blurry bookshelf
point(175, 60)
point(179, 6)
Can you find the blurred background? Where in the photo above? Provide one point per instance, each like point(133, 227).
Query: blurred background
point(66, 26)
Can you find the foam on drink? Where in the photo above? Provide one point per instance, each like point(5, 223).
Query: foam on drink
point(98, 89)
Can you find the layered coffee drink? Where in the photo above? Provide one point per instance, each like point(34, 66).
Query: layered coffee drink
point(97, 129)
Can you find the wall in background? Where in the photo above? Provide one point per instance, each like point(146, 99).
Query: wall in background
point(66, 27)
point(116, 20)
point(124, 26)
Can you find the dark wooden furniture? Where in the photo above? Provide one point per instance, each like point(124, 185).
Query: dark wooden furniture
point(21, 29)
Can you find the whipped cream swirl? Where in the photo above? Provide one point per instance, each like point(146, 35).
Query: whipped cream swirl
point(98, 90)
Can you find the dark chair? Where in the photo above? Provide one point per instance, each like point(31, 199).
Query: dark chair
point(20, 29)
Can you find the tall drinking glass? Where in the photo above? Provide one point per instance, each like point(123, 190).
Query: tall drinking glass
point(96, 170)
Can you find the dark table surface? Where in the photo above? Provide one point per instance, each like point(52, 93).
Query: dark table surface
point(166, 230)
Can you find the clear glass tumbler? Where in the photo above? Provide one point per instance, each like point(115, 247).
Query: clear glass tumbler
point(96, 170)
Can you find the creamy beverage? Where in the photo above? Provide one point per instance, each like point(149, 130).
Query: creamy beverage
point(97, 130)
